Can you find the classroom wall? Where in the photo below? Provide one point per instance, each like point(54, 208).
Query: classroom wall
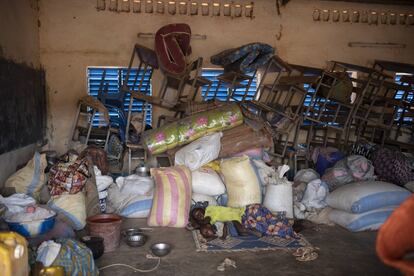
point(19, 42)
point(74, 35)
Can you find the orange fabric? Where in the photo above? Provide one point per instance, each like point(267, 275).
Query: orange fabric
point(396, 238)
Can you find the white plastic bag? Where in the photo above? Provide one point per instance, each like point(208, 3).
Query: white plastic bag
point(199, 152)
point(206, 181)
point(279, 198)
point(135, 185)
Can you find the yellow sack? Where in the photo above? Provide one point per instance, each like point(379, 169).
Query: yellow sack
point(243, 187)
point(31, 178)
point(72, 207)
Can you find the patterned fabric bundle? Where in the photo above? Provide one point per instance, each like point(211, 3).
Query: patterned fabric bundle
point(392, 166)
point(172, 197)
point(350, 169)
point(260, 218)
point(76, 258)
point(246, 58)
point(69, 175)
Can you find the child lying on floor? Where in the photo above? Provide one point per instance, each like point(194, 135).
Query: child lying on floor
point(254, 219)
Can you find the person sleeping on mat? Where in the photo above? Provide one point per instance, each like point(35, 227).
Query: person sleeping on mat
point(254, 219)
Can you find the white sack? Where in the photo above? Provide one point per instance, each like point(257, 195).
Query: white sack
point(364, 196)
point(135, 185)
point(206, 181)
point(371, 220)
point(267, 174)
point(410, 186)
point(199, 152)
point(279, 198)
point(129, 205)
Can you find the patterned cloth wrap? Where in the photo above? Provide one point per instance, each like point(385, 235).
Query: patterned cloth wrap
point(172, 45)
point(191, 128)
point(246, 58)
point(76, 258)
point(392, 166)
point(350, 169)
point(68, 175)
point(260, 218)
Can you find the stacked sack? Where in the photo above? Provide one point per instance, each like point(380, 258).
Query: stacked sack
point(205, 181)
point(131, 196)
point(232, 182)
point(364, 205)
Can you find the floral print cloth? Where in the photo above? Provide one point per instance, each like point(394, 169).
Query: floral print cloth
point(191, 128)
point(257, 217)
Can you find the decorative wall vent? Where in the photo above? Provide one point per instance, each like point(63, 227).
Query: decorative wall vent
point(190, 7)
point(370, 17)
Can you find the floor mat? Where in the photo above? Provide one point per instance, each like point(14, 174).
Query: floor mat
point(247, 243)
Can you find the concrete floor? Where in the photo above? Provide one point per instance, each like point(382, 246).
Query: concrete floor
point(341, 253)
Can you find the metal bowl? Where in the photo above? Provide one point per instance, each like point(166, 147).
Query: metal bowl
point(131, 231)
point(136, 240)
point(142, 171)
point(160, 249)
point(134, 237)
